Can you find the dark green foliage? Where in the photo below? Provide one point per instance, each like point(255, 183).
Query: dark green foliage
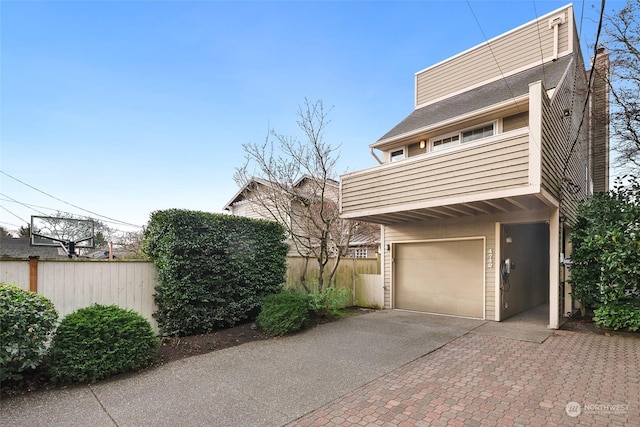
point(283, 313)
point(27, 321)
point(606, 252)
point(99, 341)
point(618, 316)
point(214, 270)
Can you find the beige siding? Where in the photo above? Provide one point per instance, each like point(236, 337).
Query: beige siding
point(516, 121)
point(499, 164)
point(559, 153)
point(521, 48)
point(446, 229)
point(415, 150)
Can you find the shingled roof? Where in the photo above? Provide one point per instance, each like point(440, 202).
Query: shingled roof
point(20, 248)
point(484, 96)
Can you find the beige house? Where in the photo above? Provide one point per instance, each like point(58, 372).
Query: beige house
point(262, 199)
point(477, 188)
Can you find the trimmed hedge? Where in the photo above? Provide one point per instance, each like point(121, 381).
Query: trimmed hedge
point(214, 270)
point(27, 322)
point(100, 341)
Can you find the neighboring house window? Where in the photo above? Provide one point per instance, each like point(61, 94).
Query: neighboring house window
point(360, 253)
point(449, 140)
point(397, 155)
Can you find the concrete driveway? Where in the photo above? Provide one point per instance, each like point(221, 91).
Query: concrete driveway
point(384, 368)
point(266, 383)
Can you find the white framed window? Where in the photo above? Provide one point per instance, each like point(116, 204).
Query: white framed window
point(449, 140)
point(445, 141)
point(360, 253)
point(397, 155)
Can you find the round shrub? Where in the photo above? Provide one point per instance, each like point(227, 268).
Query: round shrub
point(283, 313)
point(27, 321)
point(99, 341)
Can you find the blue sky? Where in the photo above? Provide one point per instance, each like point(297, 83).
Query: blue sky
point(123, 108)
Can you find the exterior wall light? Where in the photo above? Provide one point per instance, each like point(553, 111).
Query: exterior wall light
point(423, 143)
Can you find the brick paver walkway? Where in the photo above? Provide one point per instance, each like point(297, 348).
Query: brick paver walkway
point(479, 380)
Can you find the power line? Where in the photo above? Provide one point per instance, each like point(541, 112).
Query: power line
point(2, 207)
point(586, 100)
point(70, 204)
point(500, 68)
point(23, 204)
point(8, 223)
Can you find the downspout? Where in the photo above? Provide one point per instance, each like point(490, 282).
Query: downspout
point(374, 155)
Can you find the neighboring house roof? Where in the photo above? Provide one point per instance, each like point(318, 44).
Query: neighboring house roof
point(242, 193)
point(21, 248)
point(475, 99)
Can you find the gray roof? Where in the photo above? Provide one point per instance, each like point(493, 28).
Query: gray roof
point(492, 93)
point(20, 248)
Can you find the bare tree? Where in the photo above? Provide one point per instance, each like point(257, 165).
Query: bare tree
point(293, 182)
point(622, 31)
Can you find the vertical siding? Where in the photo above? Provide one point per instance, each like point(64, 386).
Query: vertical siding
point(521, 48)
point(448, 229)
point(600, 124)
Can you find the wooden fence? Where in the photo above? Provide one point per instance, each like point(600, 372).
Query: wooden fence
point(74, 284)
point(356, 274)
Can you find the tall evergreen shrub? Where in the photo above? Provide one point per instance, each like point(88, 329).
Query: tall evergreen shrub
point(605, 274)
point(214, 270)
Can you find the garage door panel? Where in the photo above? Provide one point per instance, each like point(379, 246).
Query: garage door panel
point(440, 277)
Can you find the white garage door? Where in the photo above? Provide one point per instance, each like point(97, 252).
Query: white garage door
point(440, 277)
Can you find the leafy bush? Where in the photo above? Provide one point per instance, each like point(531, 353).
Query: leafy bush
point(606, 247)
point(99, 341)
point(27, 321)
point(330, 300)
point(618, 316)
point(214, 270)
point(284, 312)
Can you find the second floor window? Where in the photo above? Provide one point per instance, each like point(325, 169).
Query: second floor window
point(397, 155)
point(452, 139)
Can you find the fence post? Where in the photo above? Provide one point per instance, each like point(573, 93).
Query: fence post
point(33, 273)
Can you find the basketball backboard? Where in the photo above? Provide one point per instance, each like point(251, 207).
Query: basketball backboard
point(68, 233)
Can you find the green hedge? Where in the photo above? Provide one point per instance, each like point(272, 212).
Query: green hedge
point(27, 321)
point(214, 270)
point(99, 341)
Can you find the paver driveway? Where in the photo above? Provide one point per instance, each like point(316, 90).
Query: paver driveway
point(388, 367)
point(479, 380)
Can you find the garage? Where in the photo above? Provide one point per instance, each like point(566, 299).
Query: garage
point(444, 277)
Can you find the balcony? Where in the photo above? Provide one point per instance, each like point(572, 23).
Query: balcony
point(494, 175)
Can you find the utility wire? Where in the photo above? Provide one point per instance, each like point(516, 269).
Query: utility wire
point(589, 84)
point(33, 207)
point(70, 204)
point(498, 65)
point(2, 207)
point(20, 203)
